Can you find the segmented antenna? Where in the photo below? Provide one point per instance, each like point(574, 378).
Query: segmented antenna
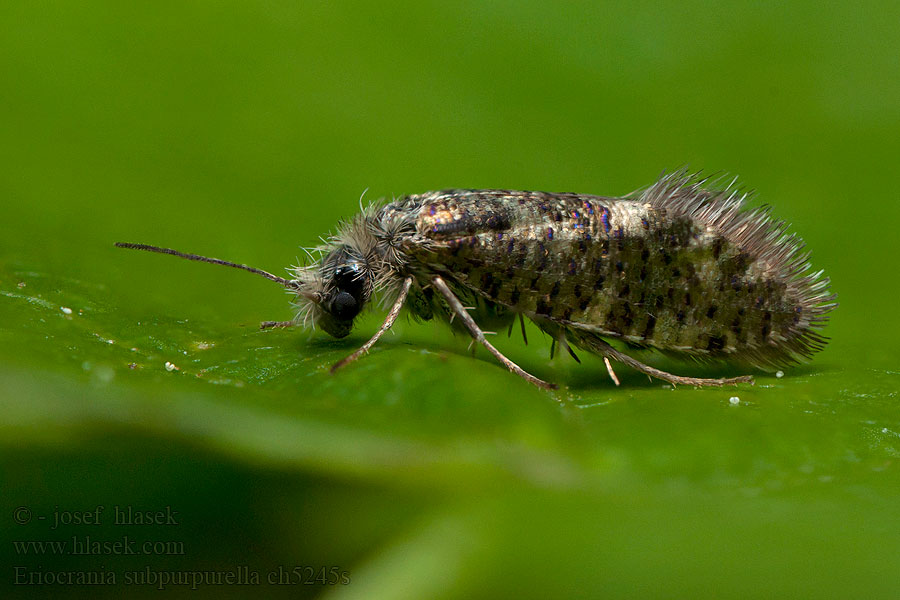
point(216, 261)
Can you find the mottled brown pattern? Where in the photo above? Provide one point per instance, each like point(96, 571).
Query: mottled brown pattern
point(612, 267)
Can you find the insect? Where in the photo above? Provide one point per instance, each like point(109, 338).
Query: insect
point(681, 267)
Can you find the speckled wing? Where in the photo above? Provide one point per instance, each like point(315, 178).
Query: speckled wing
point(676, 267)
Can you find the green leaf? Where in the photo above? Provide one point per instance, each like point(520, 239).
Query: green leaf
point(130, 380)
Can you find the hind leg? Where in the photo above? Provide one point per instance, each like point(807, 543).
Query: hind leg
point(609, 352)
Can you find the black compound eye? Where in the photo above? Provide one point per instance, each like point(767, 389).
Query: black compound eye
point(349, 278)
point(344, 306)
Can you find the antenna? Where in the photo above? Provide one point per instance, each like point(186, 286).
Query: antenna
point(216, 261)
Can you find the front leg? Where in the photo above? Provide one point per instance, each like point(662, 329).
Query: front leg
point(276, 324)
point(388, 322)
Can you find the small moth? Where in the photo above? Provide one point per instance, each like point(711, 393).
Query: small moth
point(681, 267)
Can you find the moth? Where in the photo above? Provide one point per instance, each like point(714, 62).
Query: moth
point(682, 267)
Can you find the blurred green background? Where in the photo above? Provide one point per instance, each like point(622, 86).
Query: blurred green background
point(245, 130)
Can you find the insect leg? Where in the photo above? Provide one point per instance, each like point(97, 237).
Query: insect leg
point(274, 324)
point(473, 328)
point(609, 351)
point(388, 322)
